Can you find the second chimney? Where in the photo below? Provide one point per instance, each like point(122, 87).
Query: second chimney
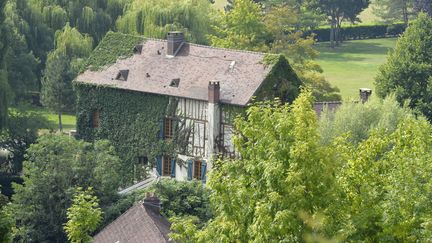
point(175, 40)
point(365, 94)
point(152, 202)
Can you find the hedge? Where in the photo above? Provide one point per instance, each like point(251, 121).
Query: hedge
point(360, 32)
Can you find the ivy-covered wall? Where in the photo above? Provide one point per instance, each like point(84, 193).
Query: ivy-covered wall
point(113, 46)
point(282, 81)
point(130, 120)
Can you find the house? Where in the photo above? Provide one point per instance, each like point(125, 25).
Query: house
point(171, 103)
point(142, 223)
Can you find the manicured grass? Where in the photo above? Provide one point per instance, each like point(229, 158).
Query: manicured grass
point(68, 120)
point(355, 64)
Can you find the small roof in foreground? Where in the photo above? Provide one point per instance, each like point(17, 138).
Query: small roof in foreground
point(137, 225)
point(240, 73)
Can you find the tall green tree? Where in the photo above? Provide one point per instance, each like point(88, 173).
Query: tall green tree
point(408, 70)
point(154, 18)
point(283, 173)
point(83, 216)
point(61, 68)
point(281, 23)
point(56, 165)
point(240, 28)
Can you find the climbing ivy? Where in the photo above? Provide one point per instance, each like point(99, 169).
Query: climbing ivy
point(281, 82)
point(130, 120)
point(111, 48)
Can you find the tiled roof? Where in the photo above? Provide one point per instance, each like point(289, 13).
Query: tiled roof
point(240, 73)
point(137, 225)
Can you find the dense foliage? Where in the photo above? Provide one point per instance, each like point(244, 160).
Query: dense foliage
point(289, 186)
point(6, 221)
point(83, 216)
point(56, 165)
point(359, 120)
point(408, 70)
point(154, 18)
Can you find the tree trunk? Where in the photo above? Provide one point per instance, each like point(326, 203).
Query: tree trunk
point(405, 12)
point(60, 121)
point(332, 32)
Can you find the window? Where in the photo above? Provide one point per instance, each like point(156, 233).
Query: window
point(197, 170)
point(143, 160)
point(168, 127)
point(96, 119)
point(166, 166)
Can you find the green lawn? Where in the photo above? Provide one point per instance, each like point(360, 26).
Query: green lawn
point(355, 64)
point(69, 120)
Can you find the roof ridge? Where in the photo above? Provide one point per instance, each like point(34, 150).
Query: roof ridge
point(210, 47)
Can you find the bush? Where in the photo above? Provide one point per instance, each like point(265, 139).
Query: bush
point(360, 32)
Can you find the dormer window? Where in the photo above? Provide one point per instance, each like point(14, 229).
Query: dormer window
point(138, 49)
point(175, 82)
point(122, 75)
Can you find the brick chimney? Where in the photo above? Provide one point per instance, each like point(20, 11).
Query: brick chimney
point(213, 92)
point(152, 202)
point(175, 41)
point(365, 93)
point(213, 119)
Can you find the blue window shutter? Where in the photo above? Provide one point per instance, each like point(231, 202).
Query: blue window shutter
point(203, 171)
point(159, 165)
point(173, 168)
point(161, 128)
point(189, 169)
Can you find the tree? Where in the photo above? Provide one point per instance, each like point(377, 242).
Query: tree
point(281, 23)
point(289, 186)
point(22, 131)
point(61, 68)
point(408, 70)
point(57, 92)
point(393, 10)
point(338, 11)
point(282, 172)
point(359, 120)
point(56, 165)
point(83, 216)
point(155, 18)
point(240, 28)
